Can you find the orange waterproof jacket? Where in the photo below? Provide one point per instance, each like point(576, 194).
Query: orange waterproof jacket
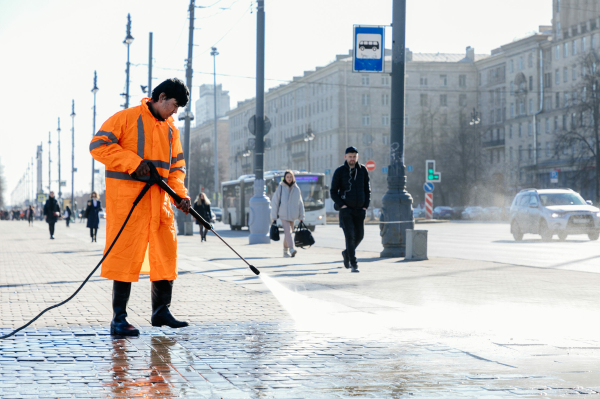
point(124, 140)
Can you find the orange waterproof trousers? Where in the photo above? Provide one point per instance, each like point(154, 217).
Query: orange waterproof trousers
point(124, 140)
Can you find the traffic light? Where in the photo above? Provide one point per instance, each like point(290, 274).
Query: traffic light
point(430, 173)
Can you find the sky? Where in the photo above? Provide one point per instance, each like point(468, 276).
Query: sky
point(52, 48)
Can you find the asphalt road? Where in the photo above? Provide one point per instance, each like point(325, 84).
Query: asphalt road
point(485, 241)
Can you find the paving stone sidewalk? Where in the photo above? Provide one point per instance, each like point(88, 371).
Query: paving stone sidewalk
point(243, 343)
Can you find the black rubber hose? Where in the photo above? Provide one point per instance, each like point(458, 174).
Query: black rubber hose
point(138, 199)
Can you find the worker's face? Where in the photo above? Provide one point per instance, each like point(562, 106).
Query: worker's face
point(288, 178)
point(166, 108)
point(351, 158)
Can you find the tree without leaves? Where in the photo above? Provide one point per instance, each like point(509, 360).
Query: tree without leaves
point(582, 136)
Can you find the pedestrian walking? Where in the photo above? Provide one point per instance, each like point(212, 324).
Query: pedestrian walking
point(351, 193)
point(51, 213)
point(30, 215)
point(67, 215)
point(93, 215)
point(126, 143)
point(202, 206)
point(287, 205)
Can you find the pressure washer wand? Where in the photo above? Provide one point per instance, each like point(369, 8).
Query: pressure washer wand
point(162, 184)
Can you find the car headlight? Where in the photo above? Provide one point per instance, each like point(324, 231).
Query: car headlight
point(598, 215)
point(321, 217)
point(558, 215)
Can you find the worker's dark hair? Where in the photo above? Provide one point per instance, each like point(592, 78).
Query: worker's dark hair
point(173, 88)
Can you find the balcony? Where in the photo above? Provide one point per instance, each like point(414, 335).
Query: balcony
point(493, 143)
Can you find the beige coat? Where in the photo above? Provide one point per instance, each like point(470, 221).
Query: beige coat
point(287, 203)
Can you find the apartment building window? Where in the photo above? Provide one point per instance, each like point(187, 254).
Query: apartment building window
point(574, 97)
point(385, 80)
point(423, 100)
point(557, 52)
point(565, 74)
point(547, 125)
point(556, 123)
point(366, 99)
point(573, 120)
point(520, 130)
point(530, 129)
point(444, 80)
point(574, 47)
point(511, 67)
point(521, 66)
point(564, 122)
point(443, 100)
point(462, 80)
point(565, 50)
point(366, 120)
point(530, 83)
point(530, 151)
point(566, 102)
point(520, 153)
point(530, 60)
point(385, 99)
point(386, 139)
point(512, 110)
point(557, 5)
point(510, 131)
point(530, 106)
point(593, 41)
point(365, 80)
point(423, 81)
point(556, 77)
point(522, 107)
point(385, 120)
point(582, 44)
point(584, 94)
point(547, 149)
point(574, 73)
point(557, 100)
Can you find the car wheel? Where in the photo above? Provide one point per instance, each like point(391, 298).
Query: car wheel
point(594, 236)
point(516, 232)
point(232, 227)
point(562, 235)
point(545, 231)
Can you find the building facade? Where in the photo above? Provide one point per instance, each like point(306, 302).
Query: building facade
point(205, 110)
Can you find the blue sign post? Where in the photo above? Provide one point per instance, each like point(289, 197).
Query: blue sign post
point(369, 49)
point(428, 187)
point(554, 176)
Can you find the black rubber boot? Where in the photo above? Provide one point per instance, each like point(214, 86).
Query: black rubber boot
point(161, 300)
point(119, 324)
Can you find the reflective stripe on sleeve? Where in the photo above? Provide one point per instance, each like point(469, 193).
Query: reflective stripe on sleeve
point(178, 158)
point(181, 168)
point(141, 137)
point(161, 164)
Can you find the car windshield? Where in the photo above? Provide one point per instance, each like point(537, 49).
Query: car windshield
point(312, 192)
point(557, 199)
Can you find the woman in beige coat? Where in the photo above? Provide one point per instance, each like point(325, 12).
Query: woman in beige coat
point(287, 205)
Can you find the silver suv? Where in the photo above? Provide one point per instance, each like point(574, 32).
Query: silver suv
point(553, 211)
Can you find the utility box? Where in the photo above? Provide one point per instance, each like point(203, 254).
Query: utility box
point(416, 245)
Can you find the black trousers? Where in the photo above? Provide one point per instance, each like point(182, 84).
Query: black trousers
point(51, 226)
point(352, 221)
point(68, 220)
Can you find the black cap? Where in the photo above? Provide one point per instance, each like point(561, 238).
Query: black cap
point(351, 150)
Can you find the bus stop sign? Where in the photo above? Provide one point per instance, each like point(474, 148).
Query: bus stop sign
point(369, 49)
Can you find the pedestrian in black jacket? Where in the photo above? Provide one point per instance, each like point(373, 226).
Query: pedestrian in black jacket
point(351, 193)
point(202, 206)
point(51, 213)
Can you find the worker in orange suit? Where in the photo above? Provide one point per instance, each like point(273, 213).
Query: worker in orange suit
point(125, 144)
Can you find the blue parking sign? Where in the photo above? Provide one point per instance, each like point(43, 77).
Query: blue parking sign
point(369, 49)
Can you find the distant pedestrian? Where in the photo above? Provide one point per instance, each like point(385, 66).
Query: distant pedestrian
point(30, 213)
point(351, 192)
point(93, 215)
point(51, 213)
point(67, 215)
point(202, 206)
point(287, 205)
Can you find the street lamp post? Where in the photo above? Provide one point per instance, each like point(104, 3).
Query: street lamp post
point(72, 153)
point(94, 90)
point(310, 136)
point(475, 120)
point(259, 203)
point(49, 163)
point(59, 181)
point(128, 40)
point(397, 202)
point(214, 53)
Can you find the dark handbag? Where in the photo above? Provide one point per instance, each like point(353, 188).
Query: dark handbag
point(303, 237)
point(274, 233)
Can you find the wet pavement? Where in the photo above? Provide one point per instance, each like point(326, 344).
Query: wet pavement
point(379, 334)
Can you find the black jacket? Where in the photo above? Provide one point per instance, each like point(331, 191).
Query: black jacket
point(203, 210)
point(353, 191)
point(49, 210)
